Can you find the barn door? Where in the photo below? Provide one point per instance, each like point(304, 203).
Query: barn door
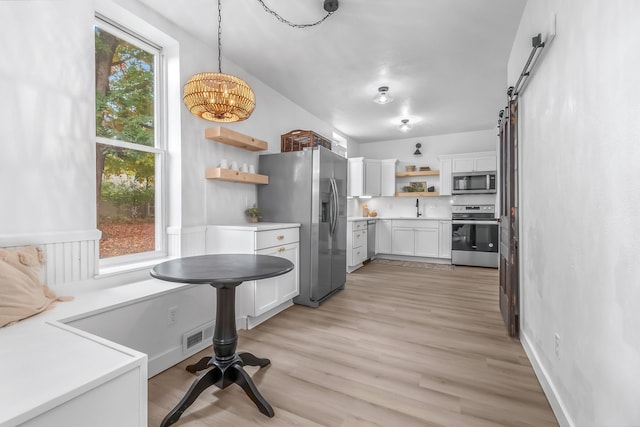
point(509, 219)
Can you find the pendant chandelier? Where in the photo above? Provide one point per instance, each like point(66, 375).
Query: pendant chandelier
point(219, 97)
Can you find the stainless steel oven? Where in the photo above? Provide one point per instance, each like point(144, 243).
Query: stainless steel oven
point(474, 236)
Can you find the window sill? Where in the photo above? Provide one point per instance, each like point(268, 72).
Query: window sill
point(131, 267)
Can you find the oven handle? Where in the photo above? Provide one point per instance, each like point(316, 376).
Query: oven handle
point(459, 221)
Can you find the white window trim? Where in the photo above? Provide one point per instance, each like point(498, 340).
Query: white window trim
point(134, 261)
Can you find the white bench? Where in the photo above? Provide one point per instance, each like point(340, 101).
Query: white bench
point(58, 368)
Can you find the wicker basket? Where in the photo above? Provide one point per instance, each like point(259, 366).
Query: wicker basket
point(298, 139)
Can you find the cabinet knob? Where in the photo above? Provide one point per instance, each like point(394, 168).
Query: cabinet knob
point(280, 237)
point(281, 249)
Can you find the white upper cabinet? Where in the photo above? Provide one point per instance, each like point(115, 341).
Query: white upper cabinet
point(371, 177)
point(475, 162)
point(445, 176)
point(388, 177)
point(486, 163)
point(465, 164)
point(468, 162)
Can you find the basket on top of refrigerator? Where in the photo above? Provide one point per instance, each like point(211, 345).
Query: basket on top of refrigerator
point(298, 139)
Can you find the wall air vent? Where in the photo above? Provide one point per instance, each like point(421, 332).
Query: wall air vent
point(196, 336)
point(194, 339)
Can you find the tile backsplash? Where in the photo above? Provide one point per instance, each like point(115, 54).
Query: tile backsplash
point(430, 207)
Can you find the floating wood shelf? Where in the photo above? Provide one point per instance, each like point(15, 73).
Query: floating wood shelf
point(418, 194)
point(236, 176)
point(237, 139)
point(417, 173)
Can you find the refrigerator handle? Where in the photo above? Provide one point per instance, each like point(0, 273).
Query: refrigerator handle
point(331, 208)
point(334, 195)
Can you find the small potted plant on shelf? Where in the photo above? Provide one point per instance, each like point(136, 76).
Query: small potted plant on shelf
point(253, 213)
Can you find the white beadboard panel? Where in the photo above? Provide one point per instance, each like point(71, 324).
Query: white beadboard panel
point(70, 256)
point(8, 240)
point(188, 241)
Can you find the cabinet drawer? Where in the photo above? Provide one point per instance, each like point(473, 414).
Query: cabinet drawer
point(359, 225)
point(358, 255)
point(415, 223)
point(269, 238)
point(360, 238)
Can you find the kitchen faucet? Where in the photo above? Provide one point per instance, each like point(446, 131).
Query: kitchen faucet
point(418, 214)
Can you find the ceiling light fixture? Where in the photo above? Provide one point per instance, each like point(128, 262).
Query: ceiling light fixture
point(219, 97)
point(405, 126)
point(383, 97)
point(330, 6)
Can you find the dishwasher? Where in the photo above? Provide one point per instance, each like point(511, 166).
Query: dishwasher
point(371, 238)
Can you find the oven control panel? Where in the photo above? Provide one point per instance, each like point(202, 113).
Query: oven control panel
point(473, 209)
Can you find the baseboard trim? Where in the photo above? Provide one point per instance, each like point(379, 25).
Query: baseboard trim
point(559, 409)
point(171, 357)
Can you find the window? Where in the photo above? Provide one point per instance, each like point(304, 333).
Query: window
point(129, 145)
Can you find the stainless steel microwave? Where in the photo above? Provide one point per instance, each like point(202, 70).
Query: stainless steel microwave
point(473, 182)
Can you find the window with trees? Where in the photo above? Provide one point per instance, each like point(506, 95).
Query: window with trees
point(129, 144)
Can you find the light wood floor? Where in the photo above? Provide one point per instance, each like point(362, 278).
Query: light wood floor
point(400, 346)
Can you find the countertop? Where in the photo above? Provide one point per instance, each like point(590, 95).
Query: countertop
point(257, 226)
point(429, 218)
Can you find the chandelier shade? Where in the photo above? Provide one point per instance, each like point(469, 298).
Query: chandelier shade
point(219, 97)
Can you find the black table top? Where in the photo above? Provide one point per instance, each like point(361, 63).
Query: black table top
point(221, 269)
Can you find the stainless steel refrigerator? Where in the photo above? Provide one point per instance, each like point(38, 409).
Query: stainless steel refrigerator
point(310, 187)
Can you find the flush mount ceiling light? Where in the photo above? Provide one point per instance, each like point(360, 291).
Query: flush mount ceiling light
point(405, 126)
point(219, 97)
point(417, 153)
point(383, 97)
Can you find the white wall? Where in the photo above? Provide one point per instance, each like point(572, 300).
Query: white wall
point(47, 160)
point(432, 146)
point(579, 197)
point(47, 121)
point(47, 147)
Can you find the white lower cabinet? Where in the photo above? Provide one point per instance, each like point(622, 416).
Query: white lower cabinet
point(383, 236)
point(269, 293)
point(445, 240)
point(426, 242)
point(257, 300)
point(402, 241)
point(416, 238)
point(356, 244)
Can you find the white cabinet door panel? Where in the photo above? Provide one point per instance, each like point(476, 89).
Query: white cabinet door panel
point(465, 164)
point(388, 181)
point(288, 286)
point(355, 177)
point(445, 239)
point(486, 163)
point(271, 292)
point(445, 177)
point(372, 177)
point(402, 241)
point(383, 236)
point(426, 242)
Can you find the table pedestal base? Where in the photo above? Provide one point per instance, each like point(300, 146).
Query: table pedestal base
point(222, 373)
